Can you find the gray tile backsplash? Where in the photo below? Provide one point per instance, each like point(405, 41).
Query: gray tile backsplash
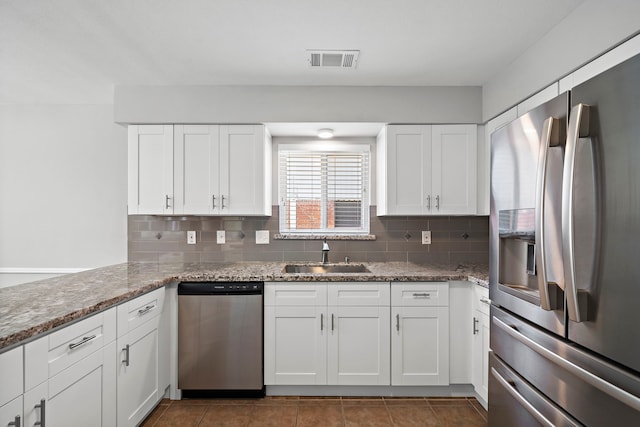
point(164, 239)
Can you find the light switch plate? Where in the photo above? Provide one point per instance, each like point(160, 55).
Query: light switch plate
point(426, 237)
point(191, 237)
point(220, 237)
point(262, 237)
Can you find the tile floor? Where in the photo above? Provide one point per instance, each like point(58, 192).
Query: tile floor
point(319, 412)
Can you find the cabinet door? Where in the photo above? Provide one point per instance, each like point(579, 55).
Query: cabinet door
point(481, 354)
point(137, 373)
point(420, 346)
point(11, 412)
point(242, 170)
point(454, 166)
point(358, 345)
point(295, 343)
point(408, 169)
point(197, 157)
point(150, 169)
point(82, 395)
point(11, 372)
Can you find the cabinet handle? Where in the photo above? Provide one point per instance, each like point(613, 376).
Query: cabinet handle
point(41, 406)
point(322, 321)
point(222, 206)
point(475, 326)
point(429, 202)
point(438, 202)
point(126, 358)
point(84, 340)
point(485, 300)
point(332, 323)
point(145, 310)
point(15, 422)
point(398, 322)
point(166, 202)
point(422, 295)
point(213, 201)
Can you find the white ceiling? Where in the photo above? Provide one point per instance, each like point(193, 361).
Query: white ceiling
point(75, 51)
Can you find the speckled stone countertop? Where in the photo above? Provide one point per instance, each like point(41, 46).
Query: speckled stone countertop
point(34, 308)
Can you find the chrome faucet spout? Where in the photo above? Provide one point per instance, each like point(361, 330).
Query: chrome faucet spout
point(325, 252)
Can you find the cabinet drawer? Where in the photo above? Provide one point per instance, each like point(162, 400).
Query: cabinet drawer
point(482, 301)
point(11, 371)
point(51, 354)
point(299, 293)
point(421, 294)
point(139, 310)
point(358, 294)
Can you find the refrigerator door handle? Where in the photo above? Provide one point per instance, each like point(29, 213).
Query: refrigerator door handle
point(578, 128)
point(509, 387)
point(586, 376)
point(548, 139)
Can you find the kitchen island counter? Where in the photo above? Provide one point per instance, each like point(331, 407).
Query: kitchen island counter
point(32, 309)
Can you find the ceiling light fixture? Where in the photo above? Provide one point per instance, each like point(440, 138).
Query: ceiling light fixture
point(325, 133)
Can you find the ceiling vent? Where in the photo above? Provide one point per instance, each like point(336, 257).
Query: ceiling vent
point(333, 58)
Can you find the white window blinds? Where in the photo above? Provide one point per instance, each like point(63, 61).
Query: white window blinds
point(324, 192)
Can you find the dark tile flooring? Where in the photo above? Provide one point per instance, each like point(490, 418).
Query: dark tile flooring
point(319, 411)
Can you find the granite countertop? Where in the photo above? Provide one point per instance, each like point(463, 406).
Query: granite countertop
point(34, 308)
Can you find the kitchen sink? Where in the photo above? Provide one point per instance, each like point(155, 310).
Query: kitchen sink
point(325, 268)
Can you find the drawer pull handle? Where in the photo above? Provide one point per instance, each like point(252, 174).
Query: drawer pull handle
point(15, 422)
point(485, 300)
point(126, 357)
point(422, 295)
point(41, 406)
point(146, 310)
point(84, 340)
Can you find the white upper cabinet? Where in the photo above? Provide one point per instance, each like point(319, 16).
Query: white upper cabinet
point(199, 170)
point(245, 170)
point(150, 169)
point(197, 158)
point(454, 166)
point(427, 170)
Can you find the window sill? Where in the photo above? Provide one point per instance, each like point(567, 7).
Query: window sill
point(323, 237)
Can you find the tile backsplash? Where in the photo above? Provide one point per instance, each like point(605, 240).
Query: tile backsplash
point(455, 240)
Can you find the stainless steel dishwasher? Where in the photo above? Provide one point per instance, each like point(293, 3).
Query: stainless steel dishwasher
point(220, 338)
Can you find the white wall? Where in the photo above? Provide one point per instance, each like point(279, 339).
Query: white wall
point(260, 104)
point(593, 28)
point(63, 187)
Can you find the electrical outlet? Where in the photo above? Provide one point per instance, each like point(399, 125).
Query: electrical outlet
point(262, 237)
point(191, 237)
point(426, 237)
point(220, 237)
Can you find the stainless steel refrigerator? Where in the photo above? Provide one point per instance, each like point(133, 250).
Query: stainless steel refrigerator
point(565, 258)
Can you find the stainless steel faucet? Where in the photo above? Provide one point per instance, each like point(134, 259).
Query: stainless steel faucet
point(325, 252)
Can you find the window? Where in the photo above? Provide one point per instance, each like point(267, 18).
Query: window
point(324, 192)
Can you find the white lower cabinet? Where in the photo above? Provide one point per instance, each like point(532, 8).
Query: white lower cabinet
point(295, 344)
point(419, 334)
point(138, 388)
point(326, 334)
point(480, 345)
point(12, 386)
point(11, 412)
point(70, 375)
point(81, 395)
point(358, 345)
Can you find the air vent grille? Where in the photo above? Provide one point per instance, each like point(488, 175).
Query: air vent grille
point(333, 58)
